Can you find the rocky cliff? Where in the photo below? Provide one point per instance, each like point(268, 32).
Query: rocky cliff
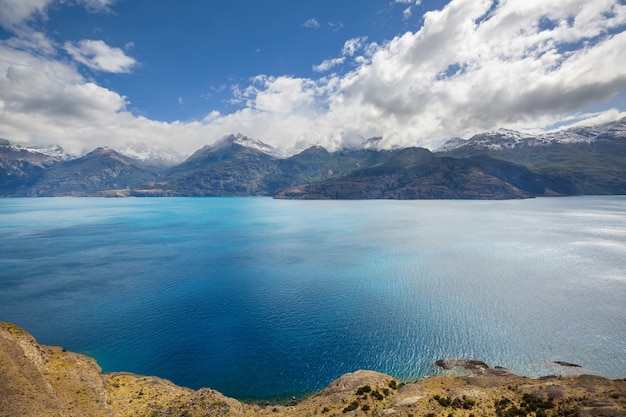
point(37, 380)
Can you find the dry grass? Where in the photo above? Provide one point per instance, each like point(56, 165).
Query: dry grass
point(49, 381)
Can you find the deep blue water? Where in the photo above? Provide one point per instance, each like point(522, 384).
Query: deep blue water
point(262, 298)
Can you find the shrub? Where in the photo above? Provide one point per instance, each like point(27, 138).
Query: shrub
point(364, 389)
point(468, 404)
point(444, 402)
point(353, 406)
point(377, 395)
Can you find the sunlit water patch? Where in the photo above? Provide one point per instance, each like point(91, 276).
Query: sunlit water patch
point(260, 298)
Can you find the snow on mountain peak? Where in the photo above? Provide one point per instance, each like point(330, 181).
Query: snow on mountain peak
point(247, 142)
point(508, 139)
point(52, 151)
point(151, 154)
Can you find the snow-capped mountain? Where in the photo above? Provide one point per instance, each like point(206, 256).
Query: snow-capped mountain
point(503, 139)
point(150, 154)
point(53, 151)
point(246, 142)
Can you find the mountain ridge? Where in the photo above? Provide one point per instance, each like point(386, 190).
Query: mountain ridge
point(493, 165)
point(507, 138)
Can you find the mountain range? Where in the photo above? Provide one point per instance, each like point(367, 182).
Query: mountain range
point(495, 165)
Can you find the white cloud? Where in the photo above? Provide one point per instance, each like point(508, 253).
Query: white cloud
point(99, 56)
point(311, 24)
point(408, 11)
point(44, 100)
point(335, 26)
point(282, 95)
point(474, 65)
point(35, 41)
point(328, 64)
point(457, 77)
point(352, 46)
point(97, 5)
point(13, 13)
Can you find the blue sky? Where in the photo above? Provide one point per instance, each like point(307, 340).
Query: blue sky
point(195, 51)
point(87, 73)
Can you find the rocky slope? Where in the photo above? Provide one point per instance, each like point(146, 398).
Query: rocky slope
point(37, 380)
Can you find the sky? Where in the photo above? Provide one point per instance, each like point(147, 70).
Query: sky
point(180, 75)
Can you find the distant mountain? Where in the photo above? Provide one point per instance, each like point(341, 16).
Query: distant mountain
point(506, 139)
point(317, 164)
point(53, 151)
point(234, 165)
point(581, 160)
point(414, 173)
point(20, 164)
point(492, 165)
point(101, 172)
point(151, 155)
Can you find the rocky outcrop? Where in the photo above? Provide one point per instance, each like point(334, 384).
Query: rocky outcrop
point(37, 380)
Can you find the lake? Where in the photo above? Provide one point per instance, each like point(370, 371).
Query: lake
point(261, 298)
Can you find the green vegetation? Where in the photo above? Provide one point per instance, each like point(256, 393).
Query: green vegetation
point(457, 403)
point(377, 395)
point(444, 402)
point(529, 404)
point(363, 390)
point(352, 406)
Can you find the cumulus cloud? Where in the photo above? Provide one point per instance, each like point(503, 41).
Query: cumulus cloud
point(42, 99)
point(13, 13)
point(32, 40)
point(283, 95)
point(466, 71)
point(96, 54)
point(474, 65)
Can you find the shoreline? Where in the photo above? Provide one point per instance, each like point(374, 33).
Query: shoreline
point(41, 380)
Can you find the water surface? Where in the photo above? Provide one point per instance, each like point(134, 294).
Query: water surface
point(262, 298)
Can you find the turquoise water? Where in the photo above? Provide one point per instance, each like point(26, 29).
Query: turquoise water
point(262, 298)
